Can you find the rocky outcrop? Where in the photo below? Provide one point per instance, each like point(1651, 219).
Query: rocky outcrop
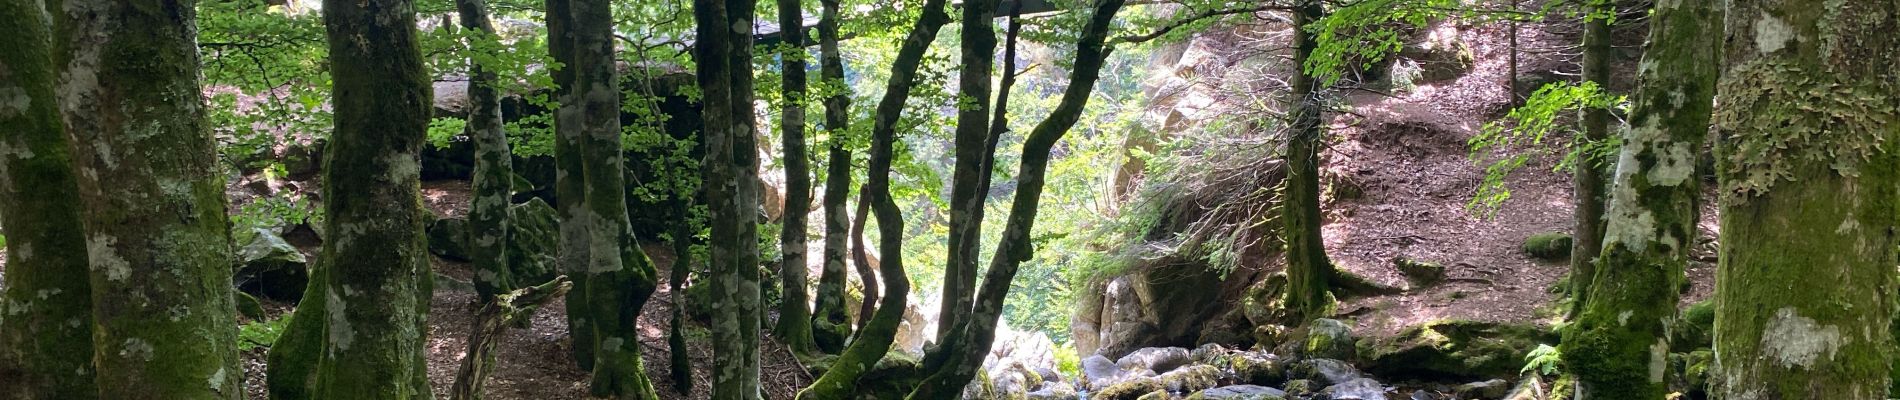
point(1453, 350)
point(270, 267)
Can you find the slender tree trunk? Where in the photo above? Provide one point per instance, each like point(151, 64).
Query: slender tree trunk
point(371, 325)
point(683, 230)
point(724, 51)
point(875, 338)
point(157, 238)
point(1806, 282)
point(46, 302)
point(830, 321)
point(618, 277)
point(978, 37)
point(485, 332)
point(861, 257)
point(966, 356)
point(570, 185)
point(1308, 268)
point(794, 319)
point(494, 169)
point(1618, 347)
point(1587, 240)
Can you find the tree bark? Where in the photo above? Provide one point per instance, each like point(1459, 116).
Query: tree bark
point(1308, 269)
point(794, 320)
point(861, 258)
point(485, 331)
point(683, 231)
point(978, 37)
point(1618, 347)
point(724, 52)
point(830, 321)
point(966, 356)
point(46, 306)
point(157, 238)
point(875, 338)
point(1587, 178)
point(1806, 279)
point(494, 168)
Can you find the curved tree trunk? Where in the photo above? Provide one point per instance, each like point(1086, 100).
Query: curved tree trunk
point(1806, 282)
point(978, 37)
point(1618, 347)
point(153, 196)
point(966, 356)
point(831, 323)
point(794, 318)
point(875, 339)
point(42, 355)
point(1588, 194)
point(730, 171)
point(861, 258)
point(1308, 269)
point(494, 166)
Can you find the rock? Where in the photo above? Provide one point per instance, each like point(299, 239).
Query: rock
point(1098, 372)
point(1356, 389)
point(448, 238)
point(1324, 371)
point(1259, 368)
point(249, 307)
point(1240, 392)
point(1014, 381)
point(981, 387)
point(1301, 388)
point(1430, 395)
point(1695, 328)
point(271, 267)
point(1531, 388)
point(303, 161)
point(1528, 82)
point(1695, 370)
point(1322, 338)
point(1548, 246)
point(1191, 378)
point(1207, 352)
point(1054, 391)
point(1155, 395)
point(1456, 349)
point(1132, 389)
point(1157, 359)
point(1441, 55)
point(1486, 390)
point(534, 239)
point(1420, 273)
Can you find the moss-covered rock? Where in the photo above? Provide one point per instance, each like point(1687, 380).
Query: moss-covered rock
point(1191, 378)
point(1694, 329)
point(448, 238)
point(1322, 338)
point(1131, 389)
point(1548, 246)
point(533, 239)
point(1452, 349)
point(1239, 392)
point(1301, 388)
point(1421, 273)
point(1258, 368)
point(271, 267)
point(1155, 395)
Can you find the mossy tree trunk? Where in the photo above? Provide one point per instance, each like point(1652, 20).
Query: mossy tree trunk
point(831, 323)
point(683, 231)
point(360, 331)
point(1618, 346)
point(157, 239)
point(731, 181)
point(494, 168)
point(861, 258)
point(1587, 178)
point(875, 337)
point(1014, 248)
point(597, 243)
point(978, 37)
point(794, 318)
point(1308, 269)
point(46, 305)
point(1806, 278)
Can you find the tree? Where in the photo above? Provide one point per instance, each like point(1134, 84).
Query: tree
point(724, 54)
point(1587, 174)
point(831, 323)
point(157, 239)
point(42, 356)
point(794, 320)
point(978, 37)
point(880, 330)
point(494, 169)
point(1806, 280)
point(1651, 222)
point(360, 332)
point(1308, 269)
point(613, 278)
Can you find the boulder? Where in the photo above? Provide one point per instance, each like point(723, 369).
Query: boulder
point(1055, 391)
point(1099, 373)
point(1190, 379)
point(448, 238)
point(1155, 395)
point(1695, 328)
point(1356, 389)
point(1420, 273)
point(1440, 55)
point(1157, 359)
point(1324, 371)
point(1301, 388)
point(1454, 349)
point(1486, 390)
point(1323, 338)
point(1132, 389)
point(533, 240)
point(1548, 246)
point(1240, 392)
point(270, 267)
point(1259, 368)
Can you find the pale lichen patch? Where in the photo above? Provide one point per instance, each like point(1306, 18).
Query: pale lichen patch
point(14, 101)
point(1658, 360)
point(1796, 341)
point(1771, 34)
point(340, 333)
point(104, 258)
point(136, 349)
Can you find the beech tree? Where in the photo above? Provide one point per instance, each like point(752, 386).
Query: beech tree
point(831, 323)
point(494, 169)
point(360, 332)
point(723, 49)
point(1587, 174)
point(978, 37)
point(795, 316)
point(1652, 212)
point(46, 303)
point(1805, 286)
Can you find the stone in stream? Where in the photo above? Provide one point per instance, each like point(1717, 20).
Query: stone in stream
point(1240, 392)
point(1324, 371)
point(1157, 359)
point(1356, 389)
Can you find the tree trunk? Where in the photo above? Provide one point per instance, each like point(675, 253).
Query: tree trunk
point(794, 318)
point(1618, 347)
point(486, 329)
point(875, 338)
point(1806, 282)
point(1587, 238)
point(494, 169)
point(46, 307)
point(978, 37)
point(732, 185)
point(618, 277)
point(861, 257)
point(1308, 268)
point(830, 321)
point(683, 230)
point(966, 356)
point(157, 237)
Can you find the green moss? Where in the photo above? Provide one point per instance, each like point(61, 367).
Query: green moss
point(1132, 389)
point(1452, 349)
point(1548, 246)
